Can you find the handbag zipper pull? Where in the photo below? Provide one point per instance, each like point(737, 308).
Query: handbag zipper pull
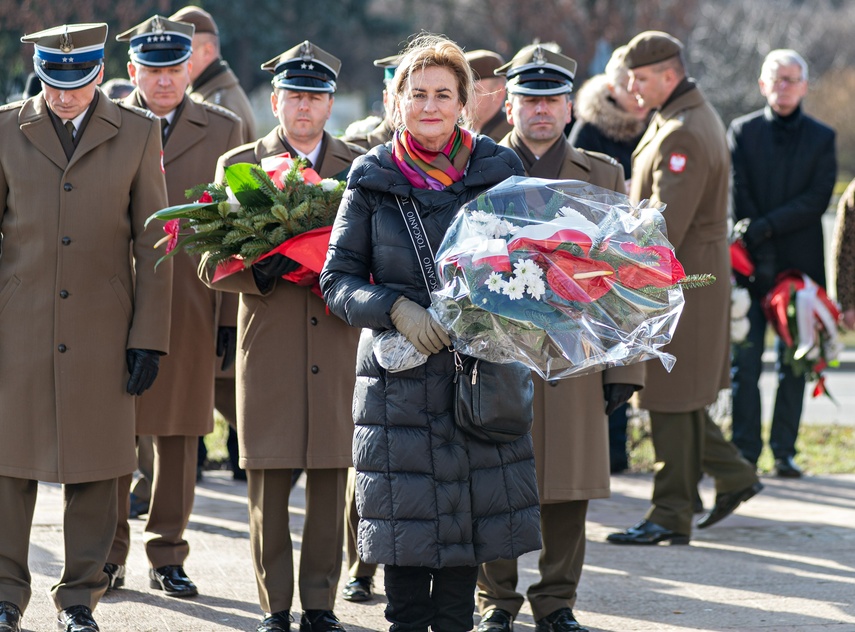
point(475, 373)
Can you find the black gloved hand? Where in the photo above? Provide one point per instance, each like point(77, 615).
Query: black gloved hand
point(274, 267)
point(759, 231)
point(616, 395)
point(227, 345)
point(142, 365)
point(762, 280)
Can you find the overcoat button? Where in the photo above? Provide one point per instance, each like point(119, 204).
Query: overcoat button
point(63, 294)
point(67, 186)
point(553, 382)
point(62, 348)
point(315, 369)
point(66, 241)
point(314, 320)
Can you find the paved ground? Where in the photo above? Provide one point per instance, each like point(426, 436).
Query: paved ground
point(785, 561)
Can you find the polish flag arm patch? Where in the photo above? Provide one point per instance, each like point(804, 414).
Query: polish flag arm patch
point(677, 163)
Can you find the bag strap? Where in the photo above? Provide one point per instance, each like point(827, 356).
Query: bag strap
point(424, 252)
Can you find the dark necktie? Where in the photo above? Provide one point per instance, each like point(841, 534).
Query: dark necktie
point(71, 130)
point(164, 127)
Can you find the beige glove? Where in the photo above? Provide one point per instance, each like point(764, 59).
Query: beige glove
point(418, 326)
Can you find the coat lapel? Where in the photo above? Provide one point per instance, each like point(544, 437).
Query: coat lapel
point(103, 126)
point(189, 130)
point(34, 121)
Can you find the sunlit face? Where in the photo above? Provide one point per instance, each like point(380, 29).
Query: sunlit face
point(162, 87)
point(302, 115)
point(204, 52)
point(430, 106)
point(626, 100)
point(69, 104)
point(651, 86)
point(540, 119)
point(785, 89)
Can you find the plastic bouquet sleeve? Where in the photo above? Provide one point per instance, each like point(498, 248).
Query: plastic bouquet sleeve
point(563, 276)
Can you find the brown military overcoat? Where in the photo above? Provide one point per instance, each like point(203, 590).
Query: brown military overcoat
point(69, 303)
point(224, 90)
point(181, 402)
point(296, 362)
point(682, 161)
point(570, 431)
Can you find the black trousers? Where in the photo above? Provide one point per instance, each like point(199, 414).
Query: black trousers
point(442, 599)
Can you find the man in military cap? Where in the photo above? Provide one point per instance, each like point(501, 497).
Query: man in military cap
point(383, 132)
point(571, 448)
point(682, 161)
point(295, 373)
point(82, 324)
point(211, 78)
point(488, 111)
point(180, 408)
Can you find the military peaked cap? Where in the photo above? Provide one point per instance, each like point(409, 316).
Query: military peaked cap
point(159, 42)
point(304, 68)
point(70, 56)
point(198, 17)
point(538, 71)
point(484, 63)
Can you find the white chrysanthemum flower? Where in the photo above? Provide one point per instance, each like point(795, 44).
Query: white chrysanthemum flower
point(496, 283)
point(528, 270)
point(514, 288)
point(739, 329)
point(740, 301)
point(328, 184)
point(536, 288)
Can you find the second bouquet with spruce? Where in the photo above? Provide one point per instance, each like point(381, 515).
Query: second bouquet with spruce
point(278, 207)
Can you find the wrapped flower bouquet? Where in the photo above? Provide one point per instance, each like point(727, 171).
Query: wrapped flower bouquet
point(563, 276)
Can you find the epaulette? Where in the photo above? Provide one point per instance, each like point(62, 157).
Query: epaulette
point(599, 156)
point(135, 109)
point(12, 105)
point(219, 109)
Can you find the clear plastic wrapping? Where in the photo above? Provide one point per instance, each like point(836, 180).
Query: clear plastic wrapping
point(563, 276)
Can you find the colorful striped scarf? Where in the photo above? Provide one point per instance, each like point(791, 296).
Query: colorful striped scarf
point(426, 169)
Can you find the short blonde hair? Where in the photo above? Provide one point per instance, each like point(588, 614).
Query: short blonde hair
point(428, 50)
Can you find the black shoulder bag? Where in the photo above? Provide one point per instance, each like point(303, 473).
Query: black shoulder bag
point(493, 402)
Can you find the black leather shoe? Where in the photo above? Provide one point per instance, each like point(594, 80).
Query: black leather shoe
point(319, 621)
point(10, 617)
point(559, 621)
point(787, 468)
point(276, 622)
point(646, 532)
point(76, 619)
point(726, 503)
point(115, 575)
point(173, 581)
point(497, 620)
point(358, 589)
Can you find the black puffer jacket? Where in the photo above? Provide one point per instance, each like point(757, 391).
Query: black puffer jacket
point(427, 494)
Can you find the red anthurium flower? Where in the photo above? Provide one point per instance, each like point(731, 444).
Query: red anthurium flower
point(578, 278)
point(206, 198)
point(657, 266)
point(172, 228)
point(545, 238)
point(740, 260)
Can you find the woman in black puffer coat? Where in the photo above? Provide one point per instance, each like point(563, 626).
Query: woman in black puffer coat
point(433, 502)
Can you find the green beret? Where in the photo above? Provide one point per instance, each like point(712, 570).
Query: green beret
point(651, 47)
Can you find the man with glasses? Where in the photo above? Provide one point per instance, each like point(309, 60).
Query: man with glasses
point(784, 169)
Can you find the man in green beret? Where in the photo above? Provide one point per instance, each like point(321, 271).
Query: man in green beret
point(682, 162)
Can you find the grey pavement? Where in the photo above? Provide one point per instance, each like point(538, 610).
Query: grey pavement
point(784, 561)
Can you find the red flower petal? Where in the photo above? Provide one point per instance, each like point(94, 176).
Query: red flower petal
point(205, 198)
point(578, 278)
point(659, 267)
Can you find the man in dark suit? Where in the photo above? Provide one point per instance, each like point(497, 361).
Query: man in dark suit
point(179, 410)
point(784, 169)
point(79, 175)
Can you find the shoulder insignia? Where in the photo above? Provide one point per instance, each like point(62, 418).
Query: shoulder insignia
point(599, 156)
point(14, 105)
point(135, 110)
point(219, 109)
point(677, 162)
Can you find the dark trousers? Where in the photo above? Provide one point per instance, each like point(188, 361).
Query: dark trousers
point(440, 598)
point(618, 457)
point(746, 370)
